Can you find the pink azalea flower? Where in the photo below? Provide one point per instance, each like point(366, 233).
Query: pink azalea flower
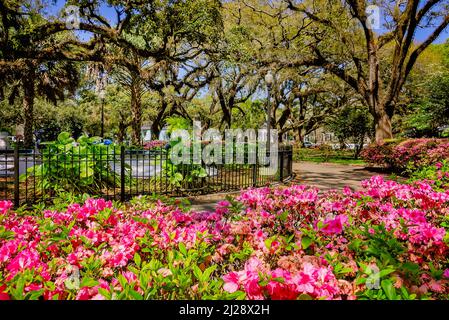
point(231, 282)
point(5, 206)
point(446, 273)
point(3, 295)
point(334, 226)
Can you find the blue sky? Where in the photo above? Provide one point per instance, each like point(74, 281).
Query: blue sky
point(55, 6)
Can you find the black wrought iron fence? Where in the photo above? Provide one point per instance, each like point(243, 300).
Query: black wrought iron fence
point(119, 173)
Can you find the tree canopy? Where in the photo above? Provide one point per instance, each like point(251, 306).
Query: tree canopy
point(206, 59)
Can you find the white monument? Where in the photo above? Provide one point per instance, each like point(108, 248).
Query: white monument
point(4, 142)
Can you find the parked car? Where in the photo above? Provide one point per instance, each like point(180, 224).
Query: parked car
point(308, 144)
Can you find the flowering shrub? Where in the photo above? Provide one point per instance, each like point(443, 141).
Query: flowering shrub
point(407, 156)
point(153, 144)
point(388, 241)
point(437, 175)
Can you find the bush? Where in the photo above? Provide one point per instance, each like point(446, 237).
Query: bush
point(405, 157)
point(79, 166)
point(437, 175)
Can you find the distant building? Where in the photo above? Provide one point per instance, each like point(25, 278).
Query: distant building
point(321, 136)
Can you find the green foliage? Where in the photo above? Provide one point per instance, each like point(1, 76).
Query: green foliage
point(437, 174)
point(184, 175)
point(325, 154)
point(352, 125)
point(431, 109)
point(81, 166)
point(177, 123)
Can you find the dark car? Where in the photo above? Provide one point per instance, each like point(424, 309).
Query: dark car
point(308, 144)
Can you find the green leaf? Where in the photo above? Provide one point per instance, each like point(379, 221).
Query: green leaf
point(6, 234)
point(105, 293)
point(122, 280)
point(208, 272)
point(389, 290)
point(306, 242)
point(182, 248)
point(64, 138)
point(385, 272)
point(36, 294)
point(18, 291)
point(263, 283)
point(202, 173)
point(268, 243)
point(283, 216)
point(304, 296)
point(137, 259)
point(88, 282)
point(197, 272)
point(135, 294)
point(279, 279)
point(86, 171)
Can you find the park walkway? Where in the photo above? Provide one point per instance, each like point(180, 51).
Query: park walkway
point(325, 176)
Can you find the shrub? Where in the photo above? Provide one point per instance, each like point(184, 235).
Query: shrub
point(407, 156)
point(79, 166)
point(437, 175)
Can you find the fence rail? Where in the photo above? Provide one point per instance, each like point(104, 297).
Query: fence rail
point(28, 177)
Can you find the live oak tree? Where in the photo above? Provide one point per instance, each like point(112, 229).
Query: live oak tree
point(233, 85)
point(129, 74)
point(28, 79)
point(174, 31)
point(176, 49)
point(176, 85)
point(304, 99)
point(256, 34)
point(337, 49)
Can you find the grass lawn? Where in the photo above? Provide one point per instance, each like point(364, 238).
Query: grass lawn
point(330, 156)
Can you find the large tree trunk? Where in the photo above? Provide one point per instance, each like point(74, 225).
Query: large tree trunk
point(121, 131)
point(382, 121)
point(382, 126)
point(136, 112)
point(28, 109)
point(301, 136)
point(157, 126)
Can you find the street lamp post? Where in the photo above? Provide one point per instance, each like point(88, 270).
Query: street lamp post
point(269, 81)
point(102, 96)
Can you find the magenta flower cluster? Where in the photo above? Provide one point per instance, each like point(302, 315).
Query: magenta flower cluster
point(408, 155)
point(153, 144)
point(269, 243)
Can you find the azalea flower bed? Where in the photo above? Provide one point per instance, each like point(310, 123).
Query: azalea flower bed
point(405, 157)
point(388, 241)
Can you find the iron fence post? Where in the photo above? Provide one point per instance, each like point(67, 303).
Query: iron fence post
point(122, 173)
point(290, 161)
point(16, 176)
point(281, 164)
point(255, 171)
